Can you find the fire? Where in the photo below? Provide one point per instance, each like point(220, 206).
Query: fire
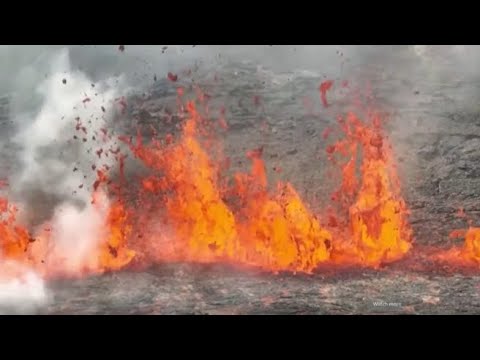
point(202, 226)
point(275, 232)
point(183, 211)
point(379, 230)
point(471, 248)
point(284, 234)
point(43, 254)
point(14, 239)
point(186, 213)
point(279, 230)
point(113, 253)
point(466, 255)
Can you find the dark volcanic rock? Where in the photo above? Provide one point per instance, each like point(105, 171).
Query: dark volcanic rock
point(201, 289)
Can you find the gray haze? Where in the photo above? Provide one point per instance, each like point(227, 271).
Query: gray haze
point(42, 110)
point(24, 66)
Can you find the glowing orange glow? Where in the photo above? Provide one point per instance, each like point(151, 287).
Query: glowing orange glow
point(278, 230)
point(471, 249)
point(466, 255)
point(185, 212)
point(203, 228)
point(379, 231)
point(40, 252)
point(113, 252)
point(14, 239)
point(275, 232)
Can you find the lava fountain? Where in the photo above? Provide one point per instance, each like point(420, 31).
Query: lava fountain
point(272, 231)
point(182, 210)
point(376, 229)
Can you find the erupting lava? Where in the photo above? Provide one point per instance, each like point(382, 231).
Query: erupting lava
point(250, 224)
point(471, 249)
point(379, 231)
point(278, 231)
point(191, 208)
point(14, 239)
point(184, 212)
point(47, 254)
point(275, 232)
point(113, 252)
point(468, 254)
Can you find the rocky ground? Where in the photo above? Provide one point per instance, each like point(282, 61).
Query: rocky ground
point(217, 289)
point(435, 129)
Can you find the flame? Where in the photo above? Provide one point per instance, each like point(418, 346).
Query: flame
point(203, 228)
point(379, 231)
point(251, 223)
point(14, 239)
point(279, 230)
point(283, 233)
point(113, 252)
point(275, 232)
point(43, 254)
point(471, 248)
point(184, 211)
point(466, 255)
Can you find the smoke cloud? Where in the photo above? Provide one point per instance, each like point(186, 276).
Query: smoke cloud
point(21, 290)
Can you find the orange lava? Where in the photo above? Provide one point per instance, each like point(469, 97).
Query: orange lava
point(377, 219)
point(185, 212)
point(272, 231)
point(113, 252)
point(275, 230)
point(14, 239)
point(471, 248)
point(467, 255)
point(191, 208)
point(41, 253)
point(278, 231)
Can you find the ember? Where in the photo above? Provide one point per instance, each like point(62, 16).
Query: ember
point(324, 87)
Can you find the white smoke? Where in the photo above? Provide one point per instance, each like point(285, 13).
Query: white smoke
point(50, 152)
point(21, 290)
point(60, 157)
point(76, 233)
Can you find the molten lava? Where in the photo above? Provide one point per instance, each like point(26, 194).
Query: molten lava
point(14, 239)
point(191, 208)
point(278, 231)
point(181, 210)
point(471, 248)
point(113, 252)
point(251, 224)
point(466, 255)
point(378, 227)
point(45, 253)
point(275, 232)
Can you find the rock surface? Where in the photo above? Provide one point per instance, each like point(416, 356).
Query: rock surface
point(217, 289)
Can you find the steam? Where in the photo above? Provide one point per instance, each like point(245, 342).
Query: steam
point(59, 156)
point(21, 290)
point(77, 233)
point(53, 144)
